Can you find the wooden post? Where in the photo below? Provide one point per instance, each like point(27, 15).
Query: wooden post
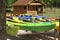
point(27, 9)
point(3, 35)
point(42, 10)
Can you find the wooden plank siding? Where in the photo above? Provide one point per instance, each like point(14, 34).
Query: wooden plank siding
point(19, 10)
point(32, 8)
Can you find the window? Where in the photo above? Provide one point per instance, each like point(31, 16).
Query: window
point(25, 7)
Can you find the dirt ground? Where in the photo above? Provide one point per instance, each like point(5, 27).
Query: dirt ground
point(23, 35)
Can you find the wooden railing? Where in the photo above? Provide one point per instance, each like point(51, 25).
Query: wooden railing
point(32, 13)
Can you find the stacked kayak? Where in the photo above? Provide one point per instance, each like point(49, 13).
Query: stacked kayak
point(14, 24)
point(57, 24)
point(56, 21)
point(36, 27)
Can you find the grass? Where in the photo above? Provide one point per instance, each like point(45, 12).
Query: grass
point(54, 13)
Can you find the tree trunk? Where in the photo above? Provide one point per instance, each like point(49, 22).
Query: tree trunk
point(3, 35)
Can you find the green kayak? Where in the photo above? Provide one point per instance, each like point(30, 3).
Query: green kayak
point(36, 27)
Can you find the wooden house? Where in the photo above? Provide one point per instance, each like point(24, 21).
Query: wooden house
point(32, 7)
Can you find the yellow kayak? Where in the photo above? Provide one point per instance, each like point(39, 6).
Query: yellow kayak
point(14, 19)
point(42, 19)
point(57, 26)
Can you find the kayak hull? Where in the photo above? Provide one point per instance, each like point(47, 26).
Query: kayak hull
point(36, 27)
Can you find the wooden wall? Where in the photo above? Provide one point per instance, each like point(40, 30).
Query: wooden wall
point(32, 8)
point(19, 10)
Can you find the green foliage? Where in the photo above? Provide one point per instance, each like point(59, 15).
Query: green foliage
point(52, 3)
point(9, 2)
point(9, 5)
point(48, 2)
